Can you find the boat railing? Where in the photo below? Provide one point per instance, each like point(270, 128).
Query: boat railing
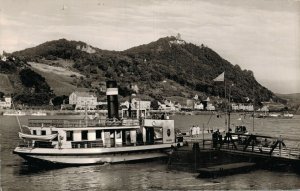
point(86, 144)
point(101, 144)
point(79, 123)
point(25, 145)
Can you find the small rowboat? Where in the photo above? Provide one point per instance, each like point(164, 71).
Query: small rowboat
point(37, 137)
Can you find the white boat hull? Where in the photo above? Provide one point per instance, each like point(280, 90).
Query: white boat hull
point(14, 114)
point(92, 155)
point(39, 114)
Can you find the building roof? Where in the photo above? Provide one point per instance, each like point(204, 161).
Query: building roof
point(84, 94)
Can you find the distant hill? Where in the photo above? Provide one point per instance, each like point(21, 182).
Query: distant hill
point(290, 97)
point(168, 67)
point(293, 101)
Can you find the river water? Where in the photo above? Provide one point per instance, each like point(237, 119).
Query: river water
point(152, 175)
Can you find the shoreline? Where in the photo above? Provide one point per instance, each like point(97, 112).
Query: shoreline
point(29, 112)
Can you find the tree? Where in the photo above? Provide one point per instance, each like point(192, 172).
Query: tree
point(60, 100)
point(154, 104)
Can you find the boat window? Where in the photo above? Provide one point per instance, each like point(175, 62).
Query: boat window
point(69, 135)
point(56, 138)
point(34, 132)
point(43, 132)
point(98, 134)
point(84, 135)
point(118, 134)
point(112, 134)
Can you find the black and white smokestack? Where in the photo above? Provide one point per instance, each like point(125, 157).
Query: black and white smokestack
point(112, 99)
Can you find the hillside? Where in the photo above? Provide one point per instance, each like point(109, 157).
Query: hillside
point(168, 67)
point(293, 101)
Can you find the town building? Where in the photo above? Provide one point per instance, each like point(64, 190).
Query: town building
point(265, 108)
point(190, 104)
point(138, 108)
point(5, 103)
point(242, 107)
point(198, 106)
point(83, 100)
point(210, 107)
point(234, 107)
point(169, 105)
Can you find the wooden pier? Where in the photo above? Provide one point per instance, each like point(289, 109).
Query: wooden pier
point(206, 154)
point(249, 144)
point(225, 169)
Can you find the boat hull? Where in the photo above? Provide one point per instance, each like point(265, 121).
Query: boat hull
point(89, 156)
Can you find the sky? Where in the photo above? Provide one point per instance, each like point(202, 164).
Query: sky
point(258, 35)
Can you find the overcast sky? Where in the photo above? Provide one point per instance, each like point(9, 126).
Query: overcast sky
point(259, 35)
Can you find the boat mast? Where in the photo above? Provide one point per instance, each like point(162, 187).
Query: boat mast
point(86, 116)
point(229, 108)
point(18, 120)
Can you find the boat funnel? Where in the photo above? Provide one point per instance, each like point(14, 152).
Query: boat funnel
point(112, 99)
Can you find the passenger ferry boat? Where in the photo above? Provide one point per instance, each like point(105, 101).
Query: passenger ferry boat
point(97, 141)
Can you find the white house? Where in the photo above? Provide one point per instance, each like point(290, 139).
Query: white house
point(210, 107)
point(196, 97)
point(198, 106)
point(190, 103)
point(242, 107)
point(249, 108)
point(168, 105)
point(83, 100)
point(3, 58)
point(265, 108)
point(234, 106)
point(138, 108)
point(177, 106)
point(5, 103)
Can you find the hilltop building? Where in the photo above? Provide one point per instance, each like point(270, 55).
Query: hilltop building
point(196, 97)
point(3, 58)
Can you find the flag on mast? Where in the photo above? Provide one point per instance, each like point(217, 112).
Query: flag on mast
point(220, 78)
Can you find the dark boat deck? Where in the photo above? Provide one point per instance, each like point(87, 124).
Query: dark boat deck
point(221, 170)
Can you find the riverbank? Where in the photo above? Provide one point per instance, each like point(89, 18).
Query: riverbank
point(104, 112)
point(54, 112)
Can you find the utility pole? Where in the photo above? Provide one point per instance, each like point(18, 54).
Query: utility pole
point(226, 104)
point(253, 110)
point(229, 108)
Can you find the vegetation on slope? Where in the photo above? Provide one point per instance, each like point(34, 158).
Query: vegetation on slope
point(160, 69)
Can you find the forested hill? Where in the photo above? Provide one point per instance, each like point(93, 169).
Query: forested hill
point(168, 67)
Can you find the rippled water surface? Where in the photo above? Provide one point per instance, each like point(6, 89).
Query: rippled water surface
point(152, 175)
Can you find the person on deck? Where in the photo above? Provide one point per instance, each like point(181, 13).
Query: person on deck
point(194, 131)
point(198, 130)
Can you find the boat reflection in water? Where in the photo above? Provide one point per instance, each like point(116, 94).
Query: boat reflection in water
point(86, 141)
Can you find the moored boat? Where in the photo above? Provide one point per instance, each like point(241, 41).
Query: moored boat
point(287, 115)
point(14, 113)
point(37, 137)
point(274, 115)
point(39, 113)
point(94, 141)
